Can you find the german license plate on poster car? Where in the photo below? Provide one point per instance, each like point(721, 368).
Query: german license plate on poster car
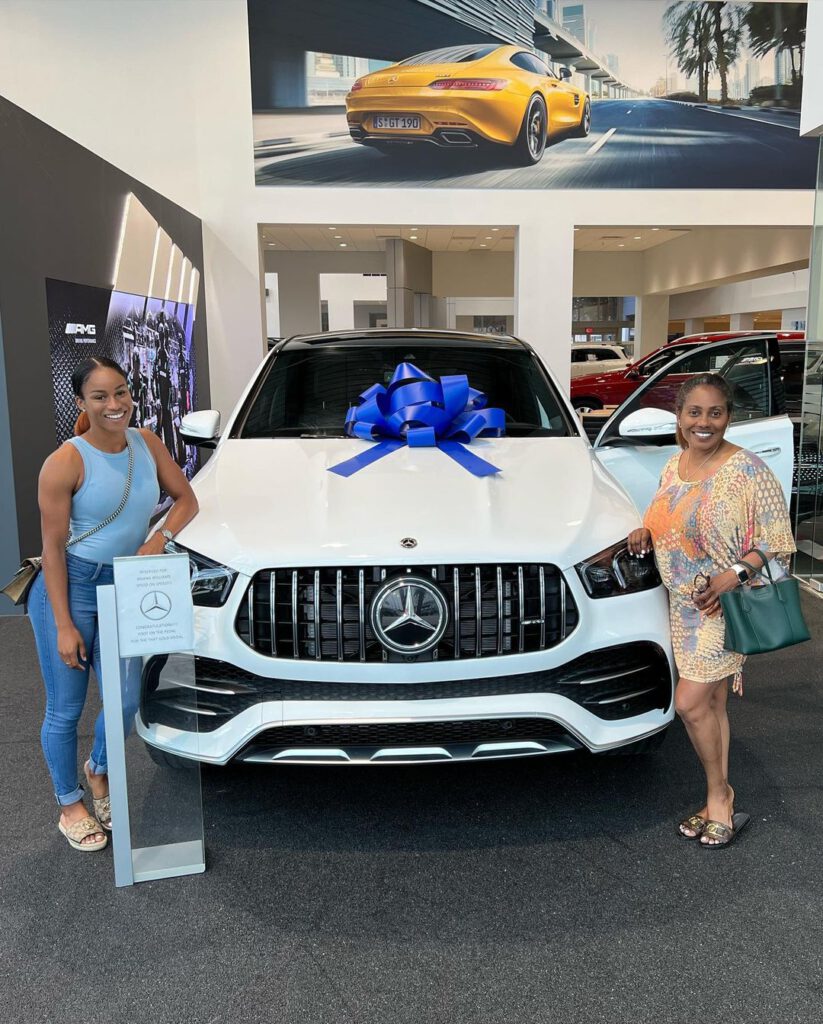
point(397, 122)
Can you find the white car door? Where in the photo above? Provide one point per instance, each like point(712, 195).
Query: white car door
point(759, 423)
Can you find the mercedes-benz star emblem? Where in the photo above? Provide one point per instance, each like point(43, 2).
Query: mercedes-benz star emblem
point(409, 615)
point(155, 605)
point(408, 542)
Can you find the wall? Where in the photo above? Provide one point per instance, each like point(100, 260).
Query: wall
point(811, 116)
point(161, 90)
point(201, 113)
point(473, 273)
point(779, 291)
point(69, 233)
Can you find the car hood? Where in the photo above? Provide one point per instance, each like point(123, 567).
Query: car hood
point(595, 379)
point(274, 503)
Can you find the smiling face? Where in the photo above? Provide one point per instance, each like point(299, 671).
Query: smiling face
point(106, 401)
point(704, 418)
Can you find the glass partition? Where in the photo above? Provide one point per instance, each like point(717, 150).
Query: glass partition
point(808, 491)
point(156, 805)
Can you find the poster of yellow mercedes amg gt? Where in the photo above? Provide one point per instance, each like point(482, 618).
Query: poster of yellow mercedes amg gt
point(529, 94)
point(467, 96)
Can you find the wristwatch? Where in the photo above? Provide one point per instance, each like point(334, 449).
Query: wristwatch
point(741, 572)
point(169, 536)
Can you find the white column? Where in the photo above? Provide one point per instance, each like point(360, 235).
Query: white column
point(299, 301)
point(693, 325)
point(741, 322)
point(543, 290)
point(651, 323)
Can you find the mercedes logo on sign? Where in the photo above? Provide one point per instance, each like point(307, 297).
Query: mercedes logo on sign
point(155, 605)
point(408, 542)
point(409, 615)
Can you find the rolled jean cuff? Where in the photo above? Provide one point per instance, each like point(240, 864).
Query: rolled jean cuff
point(64, 799)
point(97, 769)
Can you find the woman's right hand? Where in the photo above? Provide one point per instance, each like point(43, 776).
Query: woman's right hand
point(639, 541)
point(71, 646)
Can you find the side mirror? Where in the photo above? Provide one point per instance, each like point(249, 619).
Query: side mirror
point(201, 428)
point(651, 423)
point(565, 73)
point(632, 374)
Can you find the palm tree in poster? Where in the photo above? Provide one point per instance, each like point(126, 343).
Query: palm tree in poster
point(778, 27)
point(704, 35)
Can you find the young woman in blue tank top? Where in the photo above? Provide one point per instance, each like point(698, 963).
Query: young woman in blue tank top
point(81, 484)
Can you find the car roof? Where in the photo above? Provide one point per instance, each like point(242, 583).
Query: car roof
point(413, 334)
point(731, 335)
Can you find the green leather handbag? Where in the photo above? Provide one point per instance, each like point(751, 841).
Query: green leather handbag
point(766, 618)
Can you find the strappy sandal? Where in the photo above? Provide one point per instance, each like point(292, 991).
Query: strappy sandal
point(721, 833)
point(77, 832)
point(102, 804)
point(695, 822)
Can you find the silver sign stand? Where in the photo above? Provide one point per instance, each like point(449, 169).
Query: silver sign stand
point(151, 862)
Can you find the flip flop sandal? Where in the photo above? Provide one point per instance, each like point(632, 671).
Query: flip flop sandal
point(721, 833)
point(102, 811)
point(102, 804)
point(695, 822)
point(76, 832)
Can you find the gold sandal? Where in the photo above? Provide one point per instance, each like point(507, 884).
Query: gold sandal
point(102, 804)
point(695, 822)
point(721, 833)
point(77, 832)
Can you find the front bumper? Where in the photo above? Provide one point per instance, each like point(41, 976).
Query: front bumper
point(211, 711)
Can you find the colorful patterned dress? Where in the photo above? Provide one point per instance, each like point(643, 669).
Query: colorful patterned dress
point(704, 527)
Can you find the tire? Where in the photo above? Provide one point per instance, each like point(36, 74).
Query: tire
point(584, 405)
point(585, 126)
point(531, 142)
point(648, 745)
point(166, 760)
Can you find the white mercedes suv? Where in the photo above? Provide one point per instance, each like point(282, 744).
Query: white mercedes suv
point(410, 608)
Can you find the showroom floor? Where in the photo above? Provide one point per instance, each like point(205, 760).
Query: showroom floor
point(550, 889)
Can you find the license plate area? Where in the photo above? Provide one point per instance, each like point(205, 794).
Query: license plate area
point(396, 122)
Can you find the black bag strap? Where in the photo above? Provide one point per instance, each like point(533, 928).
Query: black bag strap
point(110, 518)
point(767, 575)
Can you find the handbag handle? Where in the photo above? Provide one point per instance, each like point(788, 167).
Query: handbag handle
point(110, 518)
point(767, 575)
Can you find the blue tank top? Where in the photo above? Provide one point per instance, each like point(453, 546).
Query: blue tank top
point(104, 480)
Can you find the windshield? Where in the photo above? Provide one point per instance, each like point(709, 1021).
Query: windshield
point(306, 390)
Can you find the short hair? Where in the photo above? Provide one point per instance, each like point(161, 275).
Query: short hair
point(701, 380)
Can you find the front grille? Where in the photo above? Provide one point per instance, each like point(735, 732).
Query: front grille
point(614, 683)
point(323, 614)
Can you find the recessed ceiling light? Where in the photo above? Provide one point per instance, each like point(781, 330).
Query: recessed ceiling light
point(577, 229)
point(495, 229)
point(332, 229)
point(655, 229)
point(636, 237)
point(483, 245)
point(412, 229)
point(488, 238)
point(342, 245)
point(338, 236)
point(621, 245)
point(413, 237)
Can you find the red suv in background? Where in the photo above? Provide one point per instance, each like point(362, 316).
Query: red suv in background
point(596, 390)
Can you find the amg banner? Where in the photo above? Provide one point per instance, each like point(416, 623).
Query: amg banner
point(151, 339)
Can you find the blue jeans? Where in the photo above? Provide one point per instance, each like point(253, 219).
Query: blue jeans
point(66, 687)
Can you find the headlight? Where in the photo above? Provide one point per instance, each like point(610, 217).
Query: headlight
point(210, 581)
point(614, 572)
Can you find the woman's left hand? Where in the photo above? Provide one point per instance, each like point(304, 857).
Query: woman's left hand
point(155, 545)
point(709, 601)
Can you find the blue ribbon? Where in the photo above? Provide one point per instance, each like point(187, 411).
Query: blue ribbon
point(417, 411)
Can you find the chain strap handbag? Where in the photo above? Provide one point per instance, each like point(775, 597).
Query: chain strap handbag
point(764, 618)
point(18, 587)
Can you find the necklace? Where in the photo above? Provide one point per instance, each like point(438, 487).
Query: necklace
point(703, 463)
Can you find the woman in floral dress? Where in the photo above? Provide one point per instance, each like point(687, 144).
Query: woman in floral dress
point(716, 502)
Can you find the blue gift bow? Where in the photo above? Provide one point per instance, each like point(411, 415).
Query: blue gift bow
point(418, 411)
